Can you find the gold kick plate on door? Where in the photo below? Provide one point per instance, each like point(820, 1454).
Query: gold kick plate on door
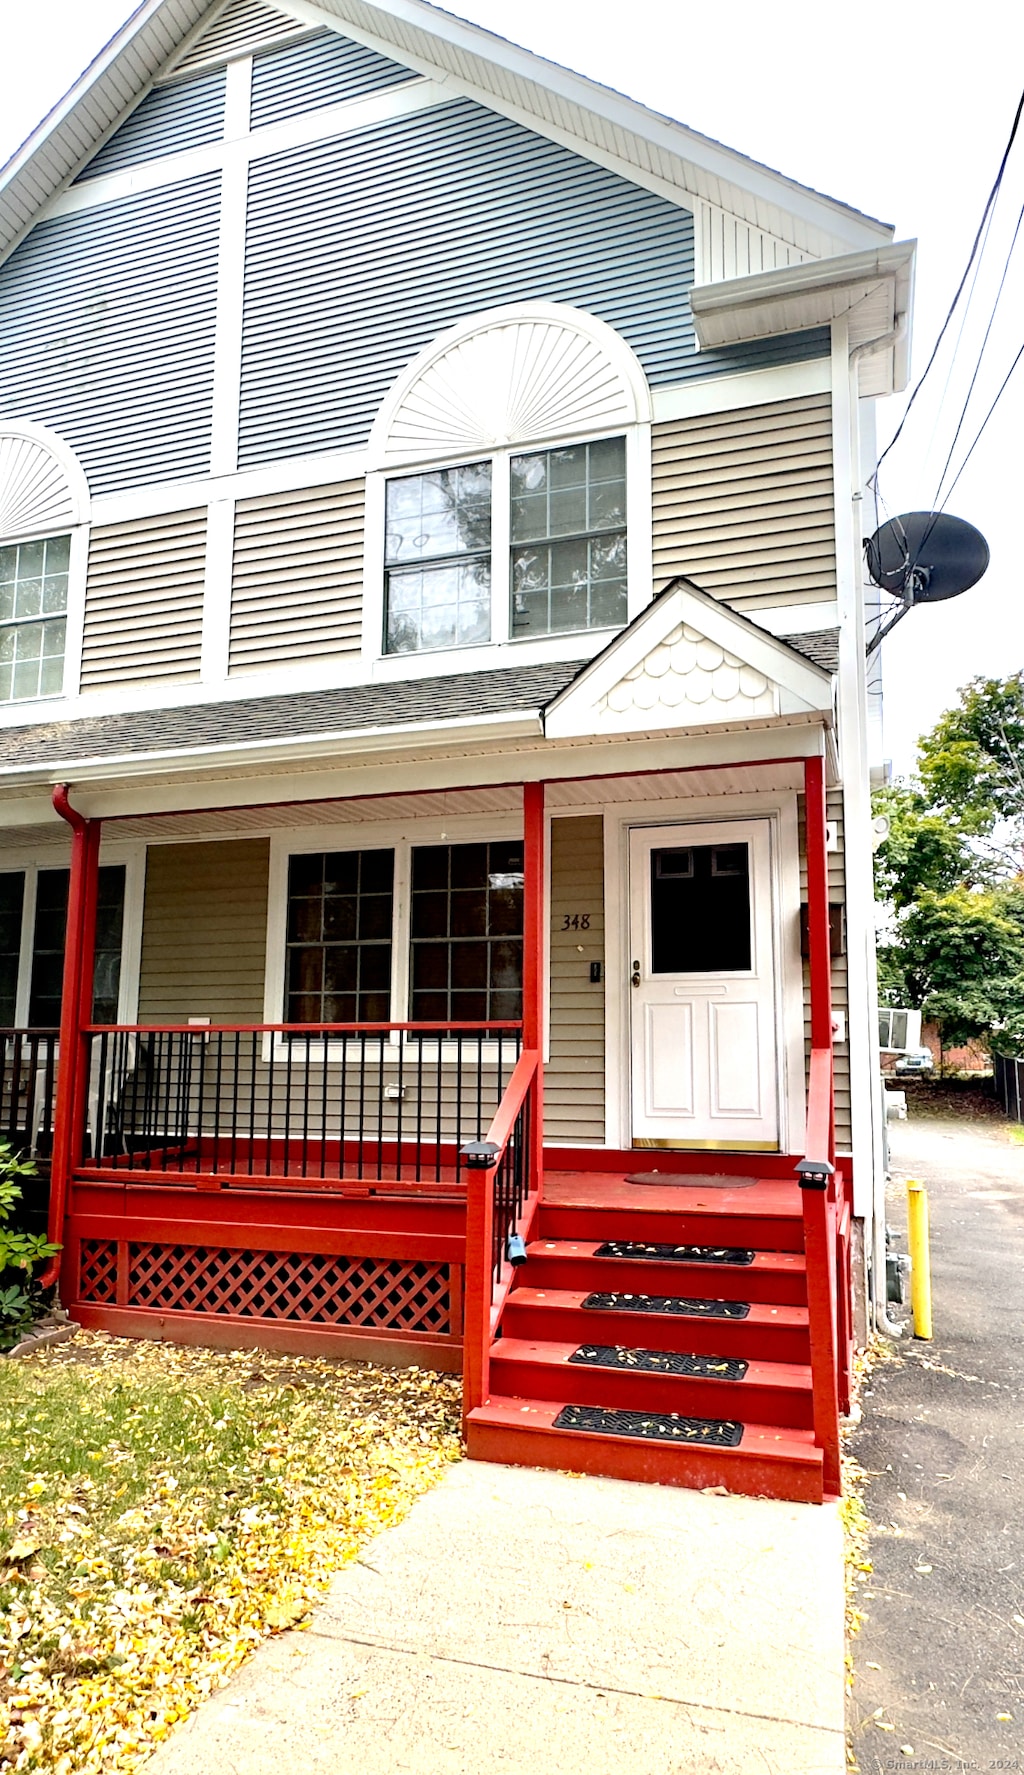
point(709, 1146)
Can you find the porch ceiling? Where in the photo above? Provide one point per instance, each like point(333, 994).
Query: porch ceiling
point(442, 806)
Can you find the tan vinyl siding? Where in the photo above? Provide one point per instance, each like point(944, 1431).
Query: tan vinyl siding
point(840, 975)
point(144, 601)
point(204, 932)
point(297, 579)
point(574, 1076)
point(743, 503)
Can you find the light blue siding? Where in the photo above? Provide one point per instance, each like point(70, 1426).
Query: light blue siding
point(167, 120)
point(322, 70)
point(363, 248)
point(107, 326)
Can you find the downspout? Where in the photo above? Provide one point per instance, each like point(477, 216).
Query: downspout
point(64, 1112)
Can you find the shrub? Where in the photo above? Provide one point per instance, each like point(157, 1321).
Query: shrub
point(21, 1298)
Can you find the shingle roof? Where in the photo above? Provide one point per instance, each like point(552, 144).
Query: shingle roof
point(820, 646)
point(307, 714)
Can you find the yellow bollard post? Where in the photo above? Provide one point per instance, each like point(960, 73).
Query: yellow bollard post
point(920, 1257)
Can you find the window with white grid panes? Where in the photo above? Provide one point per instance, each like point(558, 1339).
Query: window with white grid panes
point(33, 617)
point(522, 546)
point(568, 535)
point(467, 933)
point(437, 559)
point(340, 912)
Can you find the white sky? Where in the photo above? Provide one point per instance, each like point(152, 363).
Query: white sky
point(899, 107)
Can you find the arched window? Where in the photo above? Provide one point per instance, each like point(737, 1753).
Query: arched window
point(43, 507)
point(512, 462)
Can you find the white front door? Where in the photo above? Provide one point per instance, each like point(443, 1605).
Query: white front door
point(703, 987)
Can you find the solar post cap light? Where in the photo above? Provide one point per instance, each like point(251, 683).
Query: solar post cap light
point(923, 558)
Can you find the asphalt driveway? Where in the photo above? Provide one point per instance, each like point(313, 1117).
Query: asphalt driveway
point(939, 1661)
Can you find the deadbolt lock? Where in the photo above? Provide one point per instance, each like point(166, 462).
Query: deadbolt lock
point(636, 973)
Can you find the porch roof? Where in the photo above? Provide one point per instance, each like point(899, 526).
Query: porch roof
point(314, 715)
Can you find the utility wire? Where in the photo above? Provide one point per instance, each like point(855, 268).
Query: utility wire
point(993, 194)
point(981, 428)
point(977, 367)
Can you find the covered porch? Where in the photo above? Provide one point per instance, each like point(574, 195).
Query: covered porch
point(395, 1068)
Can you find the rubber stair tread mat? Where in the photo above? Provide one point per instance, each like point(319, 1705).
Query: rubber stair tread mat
point(732, 1254)
point(653, 1426)
point(623, 1356)
point(666, 1303)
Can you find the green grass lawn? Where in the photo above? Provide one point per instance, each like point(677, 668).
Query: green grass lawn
point(164, 1509)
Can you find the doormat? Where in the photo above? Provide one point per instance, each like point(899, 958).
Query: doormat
point(668, 1303)
point(705, 1368)
point(674, 1253)
point(651, 1426)
point(692, 1179)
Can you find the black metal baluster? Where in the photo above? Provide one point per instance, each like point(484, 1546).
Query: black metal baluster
point(253, 1074)
point(218, 1087)
point(419, 1108)
point(234, 1103)
point(362, 1098)
point(305, 1111)
point(323, 1108)
point(288, 1108)
point(398, 1113)
point(380, 1109)
point(343, 1106)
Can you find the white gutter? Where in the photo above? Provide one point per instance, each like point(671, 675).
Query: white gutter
point(274, 751)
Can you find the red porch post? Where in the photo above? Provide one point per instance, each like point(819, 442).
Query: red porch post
point(533, 965)
point(76, 1009)
point(817, 1175)
point(817, 905)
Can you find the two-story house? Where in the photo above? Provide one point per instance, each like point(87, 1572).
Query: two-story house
point(435, 898)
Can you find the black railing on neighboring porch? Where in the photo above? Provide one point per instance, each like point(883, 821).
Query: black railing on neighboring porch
point(384, 1103)
point(28, 1088)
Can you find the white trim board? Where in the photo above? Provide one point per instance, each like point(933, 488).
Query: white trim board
point(780, 807)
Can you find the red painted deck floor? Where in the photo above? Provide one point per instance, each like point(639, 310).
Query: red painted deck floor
point(749, 1369)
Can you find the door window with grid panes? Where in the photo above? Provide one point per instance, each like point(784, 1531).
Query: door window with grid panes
point(33, 617)
point(527, 544)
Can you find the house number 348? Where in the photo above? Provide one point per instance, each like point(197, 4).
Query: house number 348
point(576, 921)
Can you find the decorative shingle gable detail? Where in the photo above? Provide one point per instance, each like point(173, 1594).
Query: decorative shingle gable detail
point(685, 668)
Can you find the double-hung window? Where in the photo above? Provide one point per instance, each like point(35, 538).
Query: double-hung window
point(438, 559)
point(524, 545)
point(33, 617)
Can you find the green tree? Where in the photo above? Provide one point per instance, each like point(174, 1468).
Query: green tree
point(971, 768)
point(959, 957)
point(923, 849)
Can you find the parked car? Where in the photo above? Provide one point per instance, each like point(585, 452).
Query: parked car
point(916, 1060)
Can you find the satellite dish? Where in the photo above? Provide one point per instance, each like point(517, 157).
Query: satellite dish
point(924, 557)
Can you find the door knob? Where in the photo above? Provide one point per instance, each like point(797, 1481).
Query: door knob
point(636, 973)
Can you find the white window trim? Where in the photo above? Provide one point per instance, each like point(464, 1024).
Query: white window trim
point(133, 859)
point(401, 838)
point(780, 809)
point(74, 524)
point(503, 648)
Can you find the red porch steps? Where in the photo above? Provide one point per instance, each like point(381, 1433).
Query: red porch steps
point(545, 1322)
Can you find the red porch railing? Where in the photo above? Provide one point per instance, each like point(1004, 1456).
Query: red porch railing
point(387, 1104)
point(503, 1174)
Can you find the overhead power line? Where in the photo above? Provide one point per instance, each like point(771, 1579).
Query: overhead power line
point(982, 225)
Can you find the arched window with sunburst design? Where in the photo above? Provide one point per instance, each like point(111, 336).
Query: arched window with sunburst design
point(43, 512)
point(508, 494)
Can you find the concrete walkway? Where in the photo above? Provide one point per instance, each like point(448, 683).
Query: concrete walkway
point(558, 1625)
